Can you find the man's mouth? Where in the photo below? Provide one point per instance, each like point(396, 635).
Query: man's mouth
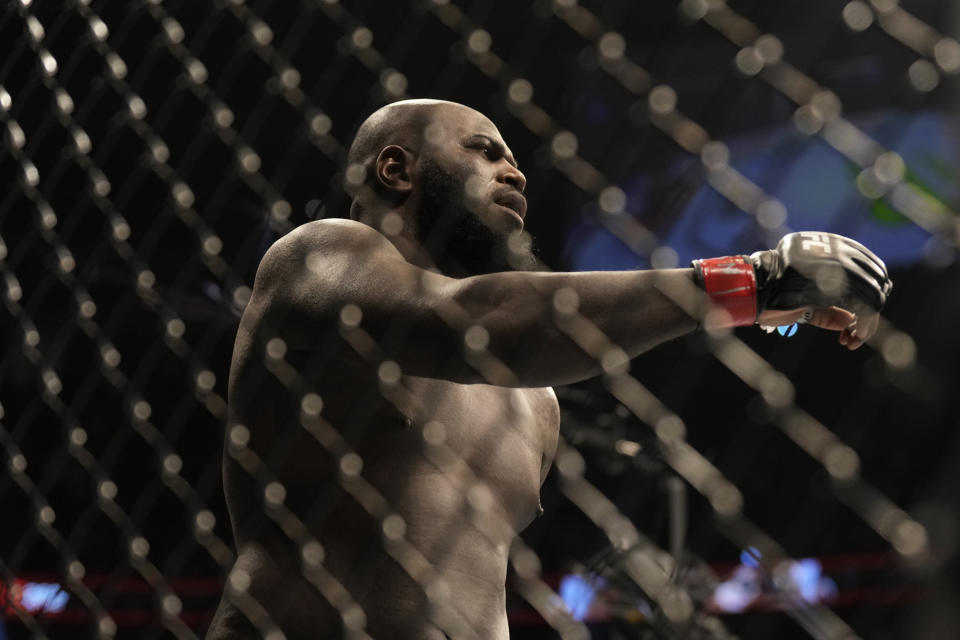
point(514, 201)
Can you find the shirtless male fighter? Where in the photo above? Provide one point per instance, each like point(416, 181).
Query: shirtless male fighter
point(429, 256)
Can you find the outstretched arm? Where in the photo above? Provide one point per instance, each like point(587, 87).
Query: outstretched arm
point(419, 317)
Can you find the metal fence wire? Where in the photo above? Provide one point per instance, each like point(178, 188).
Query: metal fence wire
point(725, 484)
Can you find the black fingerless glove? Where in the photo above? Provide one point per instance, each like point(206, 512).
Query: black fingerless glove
point(807, 269)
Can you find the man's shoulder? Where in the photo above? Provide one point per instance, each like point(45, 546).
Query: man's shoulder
point(308, 268)
point(329, 232)
point(334, 239)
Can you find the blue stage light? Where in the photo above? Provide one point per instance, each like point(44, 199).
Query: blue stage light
point(787, 330)
point(750, 557)
point(577, 594)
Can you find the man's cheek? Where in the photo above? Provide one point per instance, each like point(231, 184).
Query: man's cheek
point(476, 195)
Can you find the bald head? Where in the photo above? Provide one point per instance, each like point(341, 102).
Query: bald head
point(402, 149)
point(406, 124)
point(448, 174)
point(400, 123)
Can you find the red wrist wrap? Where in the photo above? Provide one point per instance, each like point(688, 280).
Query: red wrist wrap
point(732, 284)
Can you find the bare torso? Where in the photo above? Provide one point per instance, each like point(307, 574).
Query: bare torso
point(460, 517)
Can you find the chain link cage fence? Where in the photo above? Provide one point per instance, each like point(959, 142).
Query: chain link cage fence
point(727, 484)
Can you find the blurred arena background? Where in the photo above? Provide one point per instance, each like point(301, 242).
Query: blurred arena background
point(764, 486)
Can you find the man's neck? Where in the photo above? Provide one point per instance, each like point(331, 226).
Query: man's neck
point(405, 240)
point(414, 252)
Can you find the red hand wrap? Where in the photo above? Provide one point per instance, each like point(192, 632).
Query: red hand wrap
point(732, 284)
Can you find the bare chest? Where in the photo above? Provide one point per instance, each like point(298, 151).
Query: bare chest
point(504, 437)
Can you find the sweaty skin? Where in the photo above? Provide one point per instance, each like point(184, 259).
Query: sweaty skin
point(414, 314)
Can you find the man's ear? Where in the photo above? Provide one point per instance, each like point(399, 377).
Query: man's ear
point(393, 169)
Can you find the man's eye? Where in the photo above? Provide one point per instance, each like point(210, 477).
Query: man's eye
point(487, 150)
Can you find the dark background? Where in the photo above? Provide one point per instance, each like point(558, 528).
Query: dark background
point(902, 422)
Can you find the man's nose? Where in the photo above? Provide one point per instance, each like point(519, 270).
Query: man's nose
point(514, 177)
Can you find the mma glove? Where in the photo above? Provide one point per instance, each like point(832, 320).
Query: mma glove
point(807, 269)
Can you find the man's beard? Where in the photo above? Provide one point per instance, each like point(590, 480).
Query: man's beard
point(457, 239)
